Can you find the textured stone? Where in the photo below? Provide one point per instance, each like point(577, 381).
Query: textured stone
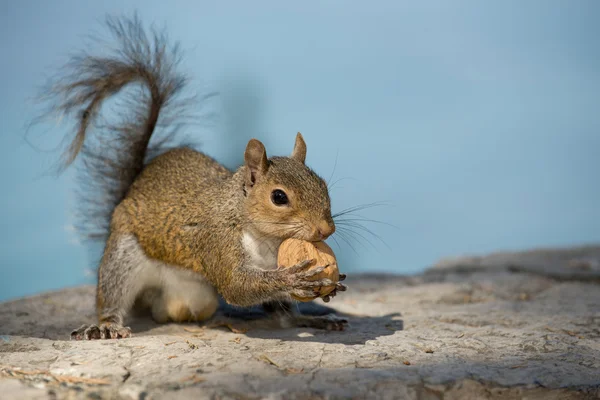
point(503, 328)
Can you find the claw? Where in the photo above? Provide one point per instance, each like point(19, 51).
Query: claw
point(313, 284)
point(313, 272)
point(298, 278)
point(329, 296)
point(104, 331)
point(338, 287)
point(324, 282)
point(299, 268)
point(341, 287)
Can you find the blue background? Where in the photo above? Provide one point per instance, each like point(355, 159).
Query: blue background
point(477, 122)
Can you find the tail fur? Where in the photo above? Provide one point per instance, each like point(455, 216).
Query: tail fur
point(110, 162)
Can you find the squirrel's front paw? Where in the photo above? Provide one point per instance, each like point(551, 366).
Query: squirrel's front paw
point(300, 280)
point(339, 287)
point(102, 331)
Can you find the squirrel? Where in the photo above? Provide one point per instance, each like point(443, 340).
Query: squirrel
point(182, 228)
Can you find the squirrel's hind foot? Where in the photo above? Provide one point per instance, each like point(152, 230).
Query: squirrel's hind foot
point(327, 322)
point(102, 331)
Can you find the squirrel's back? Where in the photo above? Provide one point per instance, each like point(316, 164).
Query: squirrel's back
point(175, 193)
point(182, 171)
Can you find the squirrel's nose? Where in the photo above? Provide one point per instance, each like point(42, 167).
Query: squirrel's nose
point(325, 230)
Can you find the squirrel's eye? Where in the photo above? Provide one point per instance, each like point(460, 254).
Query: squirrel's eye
point(279, 198)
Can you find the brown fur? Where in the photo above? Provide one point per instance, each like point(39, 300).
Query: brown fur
point(187, 210)
point(183, 210)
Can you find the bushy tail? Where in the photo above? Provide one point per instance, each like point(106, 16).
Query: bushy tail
point(110, 161)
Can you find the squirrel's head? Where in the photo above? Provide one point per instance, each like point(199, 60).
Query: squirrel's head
point(285, 198)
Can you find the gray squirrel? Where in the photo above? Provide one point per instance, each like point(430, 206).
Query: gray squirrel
point(182, 228)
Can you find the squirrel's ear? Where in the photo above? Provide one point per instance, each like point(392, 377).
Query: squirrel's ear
point(256, 161)
point(299, 152)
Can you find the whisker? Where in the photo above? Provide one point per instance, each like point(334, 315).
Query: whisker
point(343, 237)
point(353, 235)
point(336, 242)
point(334, 165)
point(281, 228)
point(351, 232)
point(358, 208)
point(359, 218)
point(330, 186)
point(364, 229)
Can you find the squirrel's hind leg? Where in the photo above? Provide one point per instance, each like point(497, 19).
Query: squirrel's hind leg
point(185, 297)
point(124, 273)
point(289, 317)
point(127, 274)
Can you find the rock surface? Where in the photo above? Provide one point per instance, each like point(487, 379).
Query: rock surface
point(510, 325)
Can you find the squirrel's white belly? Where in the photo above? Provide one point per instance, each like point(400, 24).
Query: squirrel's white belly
point(261, 251)
point(177, 288)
